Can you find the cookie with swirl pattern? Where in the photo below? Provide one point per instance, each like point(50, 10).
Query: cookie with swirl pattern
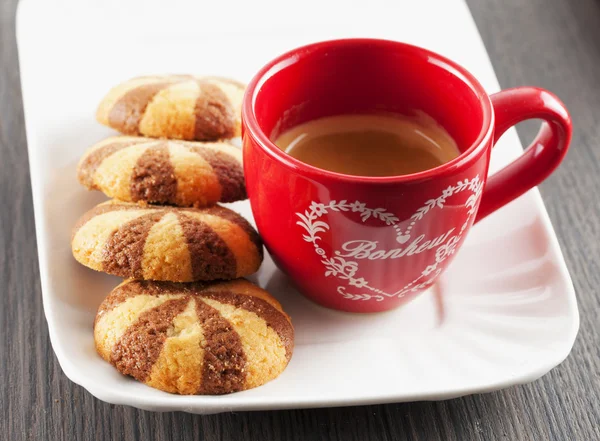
point(190, 107)
point(163, 171)
point(166, 243)
point(194, 338)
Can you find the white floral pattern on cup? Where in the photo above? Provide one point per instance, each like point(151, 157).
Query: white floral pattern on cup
point(346, 270)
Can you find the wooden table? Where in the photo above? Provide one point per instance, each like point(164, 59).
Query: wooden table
point(550, 43)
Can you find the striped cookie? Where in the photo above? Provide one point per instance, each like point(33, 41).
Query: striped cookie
point(194, 338)
point(174, 106)
point(166, 243)
point(164, 172)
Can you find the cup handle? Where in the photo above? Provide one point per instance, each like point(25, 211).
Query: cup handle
point(539, 160)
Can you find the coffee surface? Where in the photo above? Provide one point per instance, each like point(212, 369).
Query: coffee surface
point(370, 145)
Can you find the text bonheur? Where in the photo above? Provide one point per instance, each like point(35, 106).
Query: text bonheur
point(367, 249)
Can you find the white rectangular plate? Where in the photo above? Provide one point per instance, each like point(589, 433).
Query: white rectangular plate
point(510, 308)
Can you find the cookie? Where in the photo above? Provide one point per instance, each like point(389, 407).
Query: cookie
point(174, 106)
point(194, 338)
point(166, 243)
point(164, 172)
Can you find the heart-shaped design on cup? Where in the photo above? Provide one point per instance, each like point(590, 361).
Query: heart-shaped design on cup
point(349, 270)
point(402, 239)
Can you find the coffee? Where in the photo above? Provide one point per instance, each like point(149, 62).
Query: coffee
point(370, 145)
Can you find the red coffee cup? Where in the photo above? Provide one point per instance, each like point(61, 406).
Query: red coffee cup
point(367, 244)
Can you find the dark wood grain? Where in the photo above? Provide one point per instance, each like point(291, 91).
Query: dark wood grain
point(554, 44)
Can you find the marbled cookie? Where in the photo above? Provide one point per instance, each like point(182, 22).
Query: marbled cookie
point(166, 243)
point(194, 338)
point(164, 172)
point(174, 106)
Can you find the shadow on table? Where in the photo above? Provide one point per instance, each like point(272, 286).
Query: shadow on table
point(458, 419)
